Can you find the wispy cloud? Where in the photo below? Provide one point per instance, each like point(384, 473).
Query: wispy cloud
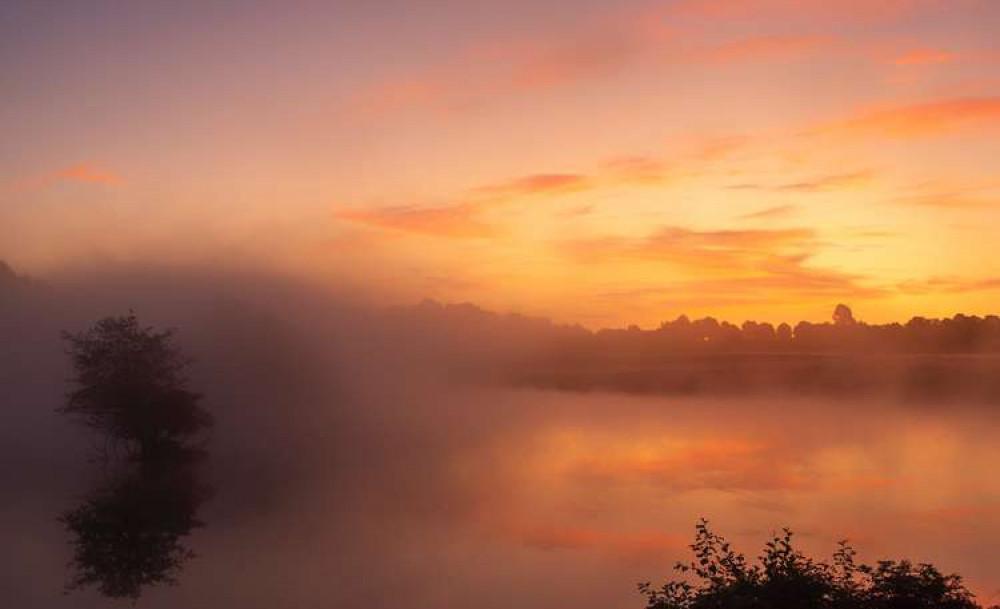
point(821, 183)
point(710, 265)
point(465, 218)
point(537, 183)
point(88, 173)
point(923, 57)
point(621, 41)
point(919, 120)
point(778, 211)
point(465, 215)
point(460, 221)
point(82, 173)
point(853, 11)
point(948, 195)
point(510, 68)
point(954, 285)
point(768, 47)
point(720, 250)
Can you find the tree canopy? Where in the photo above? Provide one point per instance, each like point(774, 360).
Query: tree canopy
point(131, 388)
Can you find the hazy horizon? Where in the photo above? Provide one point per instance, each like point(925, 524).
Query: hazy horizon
point(441, 303)
point(356, 456)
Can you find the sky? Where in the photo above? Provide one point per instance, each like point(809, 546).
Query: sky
point(595, 162)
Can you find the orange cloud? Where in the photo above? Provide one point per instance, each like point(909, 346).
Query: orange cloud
point(920, 120)
point(85, 173)
point(725, 267)
point(90, 174)
point(817, 184)
point(768, 47)
point(923, 57)
point(465, 219)
point(538, 183)
point(819, 10)
point(453, 221)
point(951, 196)
point(953, 285)
point(543, 64)
point(637, 169)
point(778, 211)
point(724, 250)
point(576, 58)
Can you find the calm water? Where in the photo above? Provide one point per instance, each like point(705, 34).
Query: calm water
point(427, 496)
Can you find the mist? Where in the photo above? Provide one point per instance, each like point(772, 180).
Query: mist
point(375, 457)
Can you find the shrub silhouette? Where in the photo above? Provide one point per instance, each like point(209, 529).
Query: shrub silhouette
point(784, 578)
point(130, 389)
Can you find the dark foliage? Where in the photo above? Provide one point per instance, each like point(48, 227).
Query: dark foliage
point(129, 534)
point(130, 387)
point(130, 390)
point(784, 578)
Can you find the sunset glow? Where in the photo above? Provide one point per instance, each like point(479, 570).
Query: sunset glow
point(594, 162)
point(500, 304)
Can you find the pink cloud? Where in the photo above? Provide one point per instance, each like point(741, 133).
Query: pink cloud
point(853, 11)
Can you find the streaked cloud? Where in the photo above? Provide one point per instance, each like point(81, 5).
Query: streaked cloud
point(706, 268)
point(460, 221)
point(923, 57)
point(80, 173)
point(853, 11)
point(778, 211)
point(721, 250)
point(768, 47)
point(465, 218)
point(950, 195)
point(950, 285)
point(820, 183)
point(499, 69)
point(919, 120)
point(88, 173)
point(538, 183)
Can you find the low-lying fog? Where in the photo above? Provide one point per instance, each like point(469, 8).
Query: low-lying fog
point(357, 464)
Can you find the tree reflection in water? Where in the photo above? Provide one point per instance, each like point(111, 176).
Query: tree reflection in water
point(130, 533)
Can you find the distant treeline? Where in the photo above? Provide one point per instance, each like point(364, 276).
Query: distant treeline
point(959, 334)
point(843, 334)
point(923, 359)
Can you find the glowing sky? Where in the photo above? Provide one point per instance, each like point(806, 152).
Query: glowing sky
point(593, 161)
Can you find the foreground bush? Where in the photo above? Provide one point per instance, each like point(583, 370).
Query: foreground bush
point(784, 578)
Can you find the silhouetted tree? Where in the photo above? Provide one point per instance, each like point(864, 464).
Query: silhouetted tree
point(784, 578)
point(130, 387)
point(843, 316)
